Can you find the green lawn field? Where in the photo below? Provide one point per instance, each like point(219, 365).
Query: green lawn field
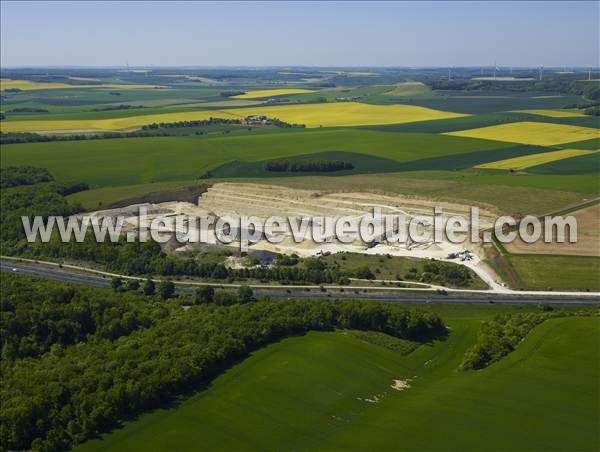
point(310, 392)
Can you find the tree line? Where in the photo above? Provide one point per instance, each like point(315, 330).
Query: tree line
point(195, 123)
point(311, 165)
point(501, 335)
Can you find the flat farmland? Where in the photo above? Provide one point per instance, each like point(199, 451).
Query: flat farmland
point(311, 115)
point(553, 113)
point(584, 165)
point(297, 394)
point(28, 85)
point(146, 160)
point(536, 133)
point(256, 94)
point(527, 161)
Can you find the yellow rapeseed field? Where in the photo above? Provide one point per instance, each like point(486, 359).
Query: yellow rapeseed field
point(527, 161)
point(347, 114)
point(28, 85)
point(536, 133)
point(112, 124)
point(553, 113)
point(272, 92)
point(311, 115)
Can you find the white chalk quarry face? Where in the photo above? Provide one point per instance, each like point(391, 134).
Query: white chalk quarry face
point(237, 200)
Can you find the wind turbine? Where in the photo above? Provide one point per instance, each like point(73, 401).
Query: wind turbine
point(541, 71)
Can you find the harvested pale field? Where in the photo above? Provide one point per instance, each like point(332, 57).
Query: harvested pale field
point(272, 93)
point(553, 113)
point(536, 133)
point(311, 115)
point(588, 238)
point(28, 85)
point(527, 161)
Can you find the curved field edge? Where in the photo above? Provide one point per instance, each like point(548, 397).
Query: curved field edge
point(311, 115)
point(299, 394)
point(182, 352)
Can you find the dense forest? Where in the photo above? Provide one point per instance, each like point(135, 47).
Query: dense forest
point(118, 354)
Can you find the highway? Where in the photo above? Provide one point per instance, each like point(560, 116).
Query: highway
point(100, 279)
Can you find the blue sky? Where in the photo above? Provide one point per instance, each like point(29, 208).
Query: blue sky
point(551, 33)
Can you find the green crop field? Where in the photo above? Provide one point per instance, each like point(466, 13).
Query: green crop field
point(549, 272)
point(311, 392)
point(134, 161)
point(584, 164)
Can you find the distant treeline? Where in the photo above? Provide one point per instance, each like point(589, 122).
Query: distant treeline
point(215, 121)
point(589, 91)
point(197, 123)
point(28, 110)
point(25, 137)
point(102, 356)
point(311, 165)
point(118, 107)
point(231, 93)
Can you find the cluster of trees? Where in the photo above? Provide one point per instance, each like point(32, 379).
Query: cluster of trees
point(13, 176)
point(39, 199)
point(441, 273)
point(311, 165)
point(501, 335)
point(36, 316)
point(285, 125)
point(71, 393)
point(149, 259)
point(231, 93)
point(197, 123)
point(207, 294)
point(28, 110)
point(118, 107)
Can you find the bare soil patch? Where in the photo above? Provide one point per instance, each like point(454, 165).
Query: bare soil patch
point(588, 237)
